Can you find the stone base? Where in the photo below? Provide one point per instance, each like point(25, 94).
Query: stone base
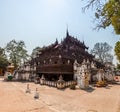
point(28, 91)
point(36, 96)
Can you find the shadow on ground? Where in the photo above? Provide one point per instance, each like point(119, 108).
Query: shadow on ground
point(89, 89)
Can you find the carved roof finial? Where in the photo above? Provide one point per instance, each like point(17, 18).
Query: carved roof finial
point(67, 32)
point(56, 42)
point(83, 42)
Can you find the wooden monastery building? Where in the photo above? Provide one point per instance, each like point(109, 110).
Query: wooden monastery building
point(58, 58)
point(67, 61)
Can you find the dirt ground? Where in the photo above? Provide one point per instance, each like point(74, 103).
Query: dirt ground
point(13, 98)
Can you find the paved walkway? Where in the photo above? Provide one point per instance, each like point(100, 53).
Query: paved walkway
point(13, 98)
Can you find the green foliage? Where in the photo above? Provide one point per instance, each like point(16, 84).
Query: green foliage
point(118, 66)
point(17, 52)
point(117, 50)
point(35, 51)
point(10, 77)
point(111, 14)
point(72, 86)
point(107, 13)
point(102, 52)
point(3, 62)
point(101, 84)
point(3, 59)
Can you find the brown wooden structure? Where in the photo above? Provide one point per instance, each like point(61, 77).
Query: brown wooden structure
point(58, 58)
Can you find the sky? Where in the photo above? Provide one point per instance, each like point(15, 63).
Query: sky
point(40, 22)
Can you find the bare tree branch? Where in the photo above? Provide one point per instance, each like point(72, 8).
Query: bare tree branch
point(98, 4)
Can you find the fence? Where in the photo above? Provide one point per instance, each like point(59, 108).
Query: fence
point(55, 84)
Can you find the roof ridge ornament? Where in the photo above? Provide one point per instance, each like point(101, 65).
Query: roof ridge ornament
point(67, 32)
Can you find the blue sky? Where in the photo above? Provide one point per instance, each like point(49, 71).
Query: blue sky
point(40, 22)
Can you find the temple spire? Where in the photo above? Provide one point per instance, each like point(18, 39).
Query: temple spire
point(83, 42)
point(56, 42)
point(67, 32)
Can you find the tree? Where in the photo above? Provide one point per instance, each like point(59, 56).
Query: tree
point(3, 60)
point(102, 52)
point(117, 50)
point(107, 13)
point(35, 51)
point(17, 52)
point(118, 66)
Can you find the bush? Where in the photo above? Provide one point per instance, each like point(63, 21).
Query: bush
point(72, 86)
point(101, 84)
point(10, 77)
